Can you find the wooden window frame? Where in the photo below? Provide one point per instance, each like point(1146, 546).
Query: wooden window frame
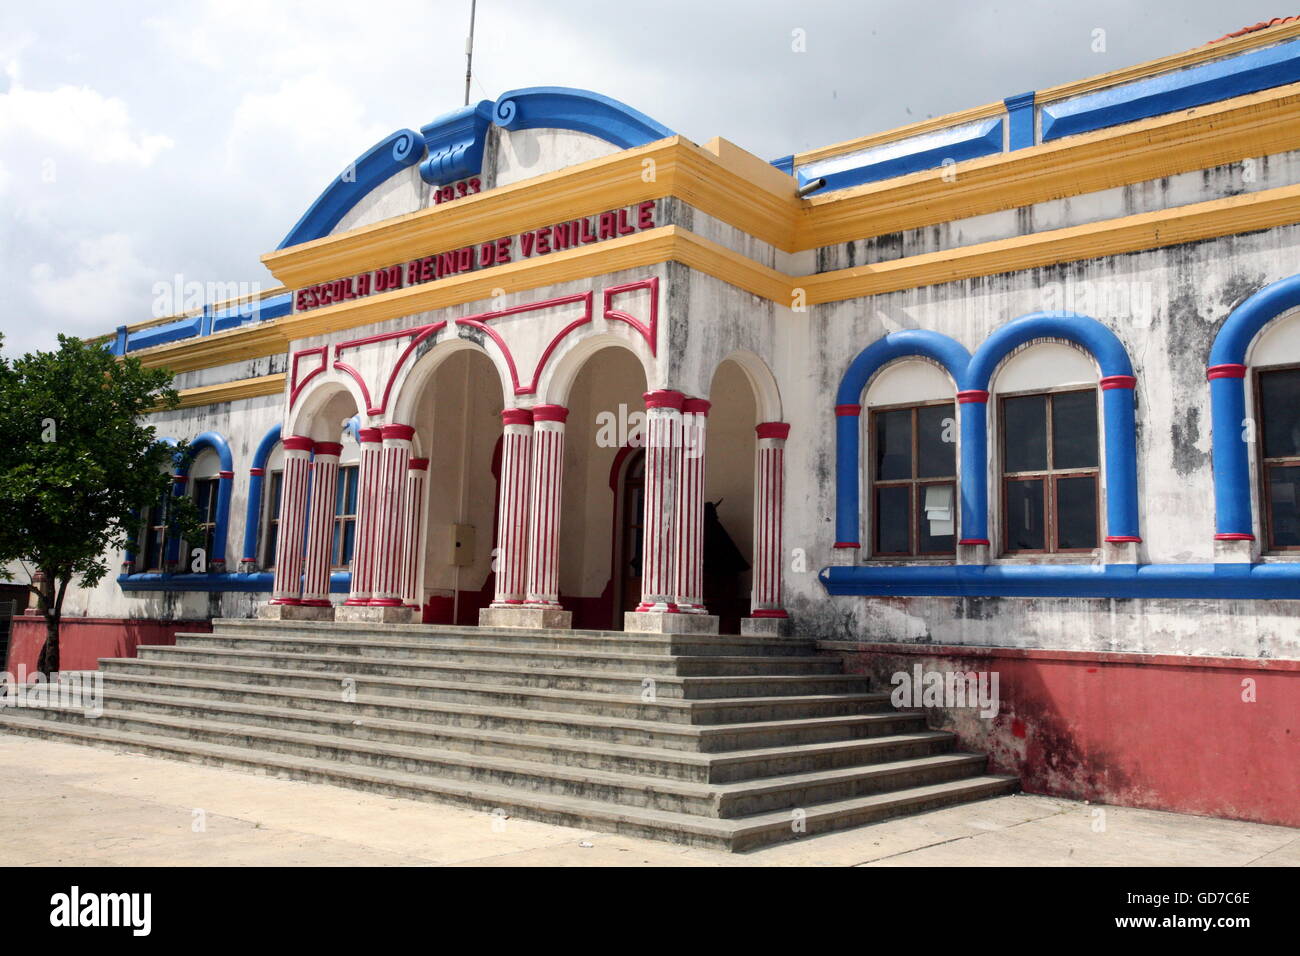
point(1264, 465)
point(155, 530)
point(271, 520)
point(1049, 476)
point(208, 520)
point(914, 483)
point(341, 520)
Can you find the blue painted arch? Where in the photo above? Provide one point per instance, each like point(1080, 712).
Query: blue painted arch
point(973, 373)
point(909, 343)
point(1118, 411)
point(582, 111)
point(256, 481)
point(1230, 458)
point(225, 484)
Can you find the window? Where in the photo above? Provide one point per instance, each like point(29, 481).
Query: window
point(1049, 472)
point(272, 523)
point(914, 480)
point(1278, 399)
point(345, 517)
point(205, 503)
point(155, 535)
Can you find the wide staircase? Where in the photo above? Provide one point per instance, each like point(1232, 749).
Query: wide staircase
point(726, 742)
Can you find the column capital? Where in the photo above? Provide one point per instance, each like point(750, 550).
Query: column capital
point(298, 443)
point(370, 436)
point(516, 416)
point(396, 432)
point(1227, 370)
point(1118, 381)
point(773, 430)
point(847, 410)
point(972, 396)
point(328, 448)
point(696, 406)
point(418, 464)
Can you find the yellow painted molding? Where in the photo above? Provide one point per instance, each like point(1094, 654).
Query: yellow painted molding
point(959, 118)
point(1236, 214)
point(232, 391)
point(1139, 71)
point(1112, 237)
point(668, 167)
point(1166, 64)
point(1258, 124)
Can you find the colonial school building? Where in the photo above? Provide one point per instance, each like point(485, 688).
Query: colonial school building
point(1011, 390)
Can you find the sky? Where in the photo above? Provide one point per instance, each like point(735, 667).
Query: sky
point(155, 142)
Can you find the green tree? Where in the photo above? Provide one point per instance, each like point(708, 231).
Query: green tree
point(78, 468)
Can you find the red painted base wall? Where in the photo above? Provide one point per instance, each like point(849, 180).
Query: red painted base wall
point(84, 640)
point(1159, 732)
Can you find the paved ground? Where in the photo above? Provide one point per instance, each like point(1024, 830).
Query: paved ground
point(70, 805)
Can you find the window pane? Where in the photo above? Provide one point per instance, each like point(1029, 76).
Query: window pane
point(202, 495)
point(271, 536)
point(893, 516)
point(1024, 433)
point(350, 501)
point(1076, 512)
point(894, 444)
point(1024, 516)
point(1283, 513)
point(937, 517)
point(349, 539)
point(1279, 399)
point(1074, 430)
point(275, 493)
point(936, 439)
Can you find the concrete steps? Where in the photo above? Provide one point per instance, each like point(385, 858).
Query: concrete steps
point(715, 741)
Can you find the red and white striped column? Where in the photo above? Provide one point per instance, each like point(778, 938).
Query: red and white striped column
point(769, 502)
point(417, 474)
point(390, 516)
point(363, 547)
point(663, 457)
point(544, 506)
point(320, 524)
point(511, 558)
point(688, 517)
point(286, 587)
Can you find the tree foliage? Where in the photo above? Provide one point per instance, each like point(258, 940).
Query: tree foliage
point(78, 467)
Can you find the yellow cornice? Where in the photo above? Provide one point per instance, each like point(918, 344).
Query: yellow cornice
point(1165, 64)
point(668, 167)
point(231, 391)
point(1255, 125)
point(723, 181)
point(1153, 230)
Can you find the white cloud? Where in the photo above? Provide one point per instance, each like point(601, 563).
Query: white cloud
point(76, 119)
point(104, 283)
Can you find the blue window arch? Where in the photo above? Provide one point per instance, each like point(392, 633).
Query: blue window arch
point(1234, 518)
point(256, 480)
point(225, 483)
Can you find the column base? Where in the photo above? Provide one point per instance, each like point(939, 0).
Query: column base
point(661, 622)
point(764, 626)
point(294, 612)
point(531, 617)
point(373, 614)
point(1234, 550)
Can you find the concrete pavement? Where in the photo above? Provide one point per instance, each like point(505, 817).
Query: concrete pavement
point(63, 804)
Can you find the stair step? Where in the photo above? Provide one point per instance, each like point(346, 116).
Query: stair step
point(677, 710)
point(787, 791)
point(424, 634)
point(120, 709)
point(725, 834)
point(609, 659)
point(635, 684)
point(651, 733)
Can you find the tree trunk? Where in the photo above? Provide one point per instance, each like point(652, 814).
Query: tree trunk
point(48, 664)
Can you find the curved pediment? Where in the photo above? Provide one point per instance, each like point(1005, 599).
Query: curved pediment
point(453, 149)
